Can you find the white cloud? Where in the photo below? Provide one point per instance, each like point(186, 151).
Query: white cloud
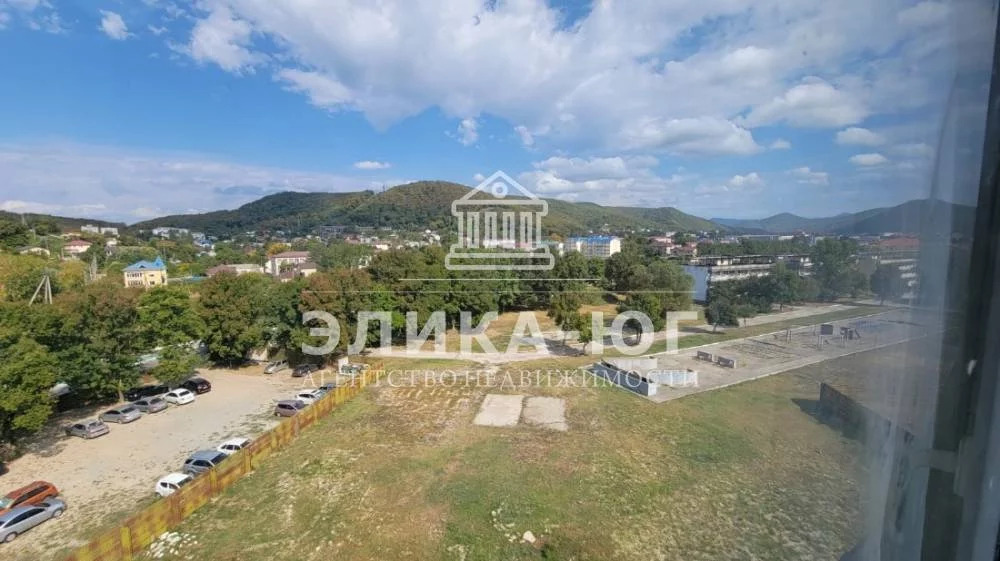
point(813, 103)
point(223, 39)
point(614, 180)
point(805, 175)
point(924, 14)
point(468, 131)
point(780, 144)
point(859, 136)
point(114, 26)
point(873, 159)
point(701, 136)
point(527, 139)
point(478, 178)
point(156, 30)
point(4, 20)
point(913, 150)
point(598, 81)
point(372, 165)
point(113, 183)
point(749, 180)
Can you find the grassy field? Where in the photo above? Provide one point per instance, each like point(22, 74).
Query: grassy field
point(401, 473)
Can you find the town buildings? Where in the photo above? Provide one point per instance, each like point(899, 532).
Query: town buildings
point(595, 246)
point(145, 274)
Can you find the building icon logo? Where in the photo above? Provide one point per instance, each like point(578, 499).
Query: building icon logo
point(499, 229)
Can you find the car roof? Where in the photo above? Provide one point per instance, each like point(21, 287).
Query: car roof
point(174, 478)
point(239, 440)
point(27, 487)
point(180, 390)
point(16, 511)
point(205, 455)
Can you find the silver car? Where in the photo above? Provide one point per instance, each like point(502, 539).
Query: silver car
point(23, 518)
point(202, 461)
point(150, 404)
point(87, 429)
point(122, 415)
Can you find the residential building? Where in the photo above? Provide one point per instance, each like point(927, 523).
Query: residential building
point(284, 261)
point(39, 251)
point(708, 270)
point(595, 246)
point(74, 248)
point(236, 269)
point(169, 231)
point(298, 270)
point(146, 274)
point(90, 229)
point(109, 231)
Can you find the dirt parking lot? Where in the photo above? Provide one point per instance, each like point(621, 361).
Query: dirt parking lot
point(108, 478)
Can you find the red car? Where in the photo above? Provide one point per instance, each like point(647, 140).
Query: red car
point(30, 494)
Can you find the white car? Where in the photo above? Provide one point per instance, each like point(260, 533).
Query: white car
point(233, 445)
point(309, 396)
point(179, 396)
point(170, 483)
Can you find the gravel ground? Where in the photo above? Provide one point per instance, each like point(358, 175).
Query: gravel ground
point(106, 479)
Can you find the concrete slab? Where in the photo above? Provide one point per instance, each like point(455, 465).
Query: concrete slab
point(499, 410)
point(546, 412)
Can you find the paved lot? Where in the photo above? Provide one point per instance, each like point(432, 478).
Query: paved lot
point(108, 478)
point(781, 351)
point(499, 410)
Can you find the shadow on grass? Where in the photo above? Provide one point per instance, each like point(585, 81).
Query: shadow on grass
point(811, 407)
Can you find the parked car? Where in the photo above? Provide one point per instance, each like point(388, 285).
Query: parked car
point(146, 391)
point(197, 385)
point(304, 370)
point(327, 388)
point(276, 366)
point(288, 407)
point(151, 404)
point(179, 396)
point(23, 518)
point(233, 445)
point(121, 415)
point(309, 396)
point(88, 429)
point(171, 482)
point(202, 461)
point(29, 495)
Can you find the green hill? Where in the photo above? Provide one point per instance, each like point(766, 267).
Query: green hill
point(907, 217)
point(64, 223)
point(419, 205)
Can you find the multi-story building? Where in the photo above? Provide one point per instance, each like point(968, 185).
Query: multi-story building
point(284, 261)
point(708, 270)
point(146, 274)
point(595, 246)
point(74, 248)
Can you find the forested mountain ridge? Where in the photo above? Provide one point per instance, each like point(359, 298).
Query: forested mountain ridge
point(419, 205)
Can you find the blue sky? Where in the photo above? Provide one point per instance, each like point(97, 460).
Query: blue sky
point(133, 109)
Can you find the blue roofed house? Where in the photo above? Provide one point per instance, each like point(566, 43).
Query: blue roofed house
point(146, 274)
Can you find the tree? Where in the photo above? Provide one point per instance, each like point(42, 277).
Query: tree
point(834, 263)
point(170, 323)
point(886, 283)
point(231, 307)
point(100, 340)
point(720, 311)
point(745, 312)
point(27, 372)
point(13, 234)
point(20, 275)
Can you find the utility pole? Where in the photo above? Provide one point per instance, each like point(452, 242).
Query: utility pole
point(45, 287)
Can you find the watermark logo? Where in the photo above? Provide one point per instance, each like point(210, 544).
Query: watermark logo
point(499, 229)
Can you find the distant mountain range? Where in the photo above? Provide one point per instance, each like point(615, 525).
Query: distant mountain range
point(906, 217)
point(420, 205)
point(63, 222)
point(427, 204)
